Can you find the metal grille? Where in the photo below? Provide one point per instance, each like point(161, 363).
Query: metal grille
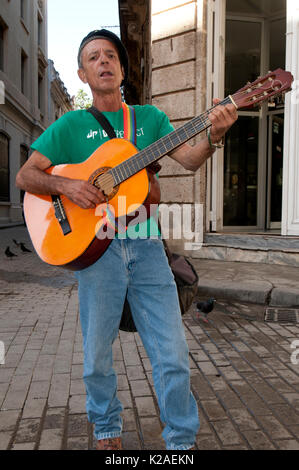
point(282, 315)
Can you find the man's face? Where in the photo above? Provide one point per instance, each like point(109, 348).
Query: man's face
point(101, 67)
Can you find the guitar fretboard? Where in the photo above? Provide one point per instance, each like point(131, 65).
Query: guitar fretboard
point(161, 147)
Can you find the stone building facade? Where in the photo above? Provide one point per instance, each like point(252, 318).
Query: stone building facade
point(26, 101)
point(179, 88)
point(248, 191)
point(59, 100)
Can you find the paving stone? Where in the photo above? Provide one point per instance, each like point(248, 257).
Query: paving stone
point(288, 444)
point(51, 439)
point(77, 404)
point(135, 372)
point(125, 398)
point(293, 399)
point(200, 384)
point(8, 420)
point(207, 442)
point(77, 387)
point(129, 421)
point(258, 440)
point(274, 428)
point(59, 390)
point(229, 373)
point(243, 419)
point(145, 406)
point(77, 443)
point(77, 425)
point(34, 407)
point(207, 368)
point(140, 388)
point(227, 433)
point(151, 428)
point(229, 398)
point(122, 382)
point(130, 440)
point(286, 414)
point(27, 430)
point(54, 418)
point(77, 371)
point(23, 446)
point(5, 438)
point(214, 410)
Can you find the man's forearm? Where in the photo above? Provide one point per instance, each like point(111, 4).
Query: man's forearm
point(198, 154)
point(192, 157)
point(37, 181)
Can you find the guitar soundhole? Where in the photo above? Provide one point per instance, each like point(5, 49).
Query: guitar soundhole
point(103, 180)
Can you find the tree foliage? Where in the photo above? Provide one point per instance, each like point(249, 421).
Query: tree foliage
point(82, 100)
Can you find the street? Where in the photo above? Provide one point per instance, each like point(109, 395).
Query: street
point(244, 370)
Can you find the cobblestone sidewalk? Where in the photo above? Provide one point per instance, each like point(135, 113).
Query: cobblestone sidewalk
point(242, 376)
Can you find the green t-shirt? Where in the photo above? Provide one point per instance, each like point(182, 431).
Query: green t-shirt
point(77, 134)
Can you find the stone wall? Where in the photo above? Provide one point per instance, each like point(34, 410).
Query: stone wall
point(179, 89)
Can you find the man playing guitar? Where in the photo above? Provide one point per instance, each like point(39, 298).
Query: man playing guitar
point(132, 266)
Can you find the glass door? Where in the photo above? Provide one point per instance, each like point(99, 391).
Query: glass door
point(241, 165)
point(252, 177)
point(275, 168)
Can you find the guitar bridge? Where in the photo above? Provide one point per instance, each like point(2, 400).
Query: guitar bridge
point(60, 215)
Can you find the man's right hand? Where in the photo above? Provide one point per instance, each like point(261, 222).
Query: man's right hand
point(83, 193)
point(33, 178)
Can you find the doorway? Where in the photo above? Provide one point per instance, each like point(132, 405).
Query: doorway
point(255, 43)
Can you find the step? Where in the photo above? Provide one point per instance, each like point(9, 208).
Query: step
point(253, 241)
point(268, 249)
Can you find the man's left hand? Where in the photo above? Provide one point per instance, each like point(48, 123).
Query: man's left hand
point(222, 118)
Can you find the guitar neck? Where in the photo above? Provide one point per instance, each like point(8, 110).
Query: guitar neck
point(163, 146)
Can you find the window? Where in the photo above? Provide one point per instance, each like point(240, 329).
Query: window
point(39, 30)
point(24, 153)
point(1, 46)
point(4, 167)
point(40, 92)
point(23, 72)
point(22, 6)
point(3, 27)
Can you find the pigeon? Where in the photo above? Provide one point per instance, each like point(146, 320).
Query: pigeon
point(24, 249)
point(9, 253)
point(205, 307)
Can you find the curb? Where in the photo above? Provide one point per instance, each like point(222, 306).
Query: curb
point(262, 292)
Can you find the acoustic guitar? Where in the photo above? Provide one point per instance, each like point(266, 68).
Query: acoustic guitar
point(63, 234)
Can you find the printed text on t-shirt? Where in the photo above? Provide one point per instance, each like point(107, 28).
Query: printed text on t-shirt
point(103, 135)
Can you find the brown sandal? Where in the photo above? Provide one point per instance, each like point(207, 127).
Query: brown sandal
point(112, 443)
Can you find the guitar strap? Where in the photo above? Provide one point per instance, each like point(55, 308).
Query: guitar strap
point(103, 121)
point(130, 131)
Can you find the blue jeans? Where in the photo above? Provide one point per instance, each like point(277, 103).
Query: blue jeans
point(139, 268)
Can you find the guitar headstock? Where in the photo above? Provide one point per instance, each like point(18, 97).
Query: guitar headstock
point(264, 88)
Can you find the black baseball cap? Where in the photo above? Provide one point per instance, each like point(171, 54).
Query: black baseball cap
point(109, 36)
